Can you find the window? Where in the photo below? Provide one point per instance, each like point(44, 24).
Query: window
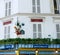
point(57, 6)
point(7, 8)
point(36, 6)
point(58, 30)
point(37, 31)
point(7, 32)
point(34, 31)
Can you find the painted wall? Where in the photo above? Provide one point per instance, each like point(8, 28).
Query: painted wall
point(45, 6)
point(1, 30)
point(14, 8)
point(2, 11)
point(27, 26)
point(48, 27)
point(25, 6)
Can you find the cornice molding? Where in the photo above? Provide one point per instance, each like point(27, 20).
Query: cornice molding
point(31, 15)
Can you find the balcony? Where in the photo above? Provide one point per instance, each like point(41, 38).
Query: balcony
point(56, 11)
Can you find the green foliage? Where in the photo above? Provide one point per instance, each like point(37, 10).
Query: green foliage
point(30, 41)
point(56, 41)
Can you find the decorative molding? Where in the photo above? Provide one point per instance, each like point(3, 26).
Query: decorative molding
point(7, 22)
point(56, 19)
point(36, 20)
point(31, 15)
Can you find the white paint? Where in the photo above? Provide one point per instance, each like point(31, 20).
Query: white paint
point(25, 6)
point(45, 6)
point(49, 28)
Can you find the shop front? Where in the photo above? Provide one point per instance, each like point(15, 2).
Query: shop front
point(38, 51)
point(31, 49)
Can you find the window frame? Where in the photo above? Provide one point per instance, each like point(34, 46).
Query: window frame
point(36, 6)
point(8, 8)
point(58, 31)
point(37, 32)
point(7, 32)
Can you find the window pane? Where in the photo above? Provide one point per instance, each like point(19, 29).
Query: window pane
point(9, 8)
point(4, 36)
point(5, 30)
point(59, 6)
point(34, 9)
point(39, 35)
point(8, 29)
point(9, 4)
point(8, 36)
point(37, 31)
point(6, 6)
point(34, 35)
point(38, 2)
point(38, 6)
point(33, 2)
point(38, 9)
point(39, 27)
point(9, 11)
point(58, 35)
point(57, 28)
point(34, 27)
point(5, 12)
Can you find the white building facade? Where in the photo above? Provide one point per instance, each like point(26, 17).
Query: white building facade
point(35, 18)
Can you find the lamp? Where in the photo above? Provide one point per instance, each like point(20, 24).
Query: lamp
point(17, 52)
point(36, 52)
point(56, 51)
